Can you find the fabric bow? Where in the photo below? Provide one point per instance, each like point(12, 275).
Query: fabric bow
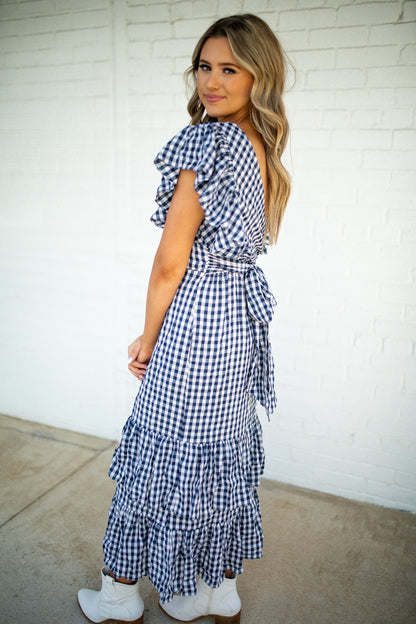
point(260, 299)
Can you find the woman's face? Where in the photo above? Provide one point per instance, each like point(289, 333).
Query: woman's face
point(224, 86)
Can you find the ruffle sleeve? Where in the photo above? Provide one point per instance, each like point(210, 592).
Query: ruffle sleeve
point(204, 149)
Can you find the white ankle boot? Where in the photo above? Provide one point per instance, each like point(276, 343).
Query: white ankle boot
point(223, 603)
point(120, 602)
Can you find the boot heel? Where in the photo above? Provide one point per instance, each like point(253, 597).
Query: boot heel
point(227, 619)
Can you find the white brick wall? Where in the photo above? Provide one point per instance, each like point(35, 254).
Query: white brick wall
point(89, 91)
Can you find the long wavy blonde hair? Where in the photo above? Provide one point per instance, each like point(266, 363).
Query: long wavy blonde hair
point(257, 49)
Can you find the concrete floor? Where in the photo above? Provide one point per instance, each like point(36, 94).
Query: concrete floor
point(327, 560)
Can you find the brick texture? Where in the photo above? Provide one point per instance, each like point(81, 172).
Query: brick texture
point(89, 91)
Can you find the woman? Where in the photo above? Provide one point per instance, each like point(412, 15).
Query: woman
point(191, 453)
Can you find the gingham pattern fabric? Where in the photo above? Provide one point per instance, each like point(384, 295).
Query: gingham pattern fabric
point(191, 453)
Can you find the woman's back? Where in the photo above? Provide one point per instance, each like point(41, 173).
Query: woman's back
point(228, 181)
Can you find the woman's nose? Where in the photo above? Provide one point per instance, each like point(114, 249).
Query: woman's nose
point(212, 81)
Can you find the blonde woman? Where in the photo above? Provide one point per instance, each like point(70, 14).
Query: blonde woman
point(191, 454)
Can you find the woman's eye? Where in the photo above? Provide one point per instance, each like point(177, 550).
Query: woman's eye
point(229, 70)
point(204, 67)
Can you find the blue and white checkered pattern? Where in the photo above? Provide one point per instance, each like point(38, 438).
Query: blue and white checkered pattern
point(191, 453)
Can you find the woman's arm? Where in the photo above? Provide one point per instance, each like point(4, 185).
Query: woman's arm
point(184, 217)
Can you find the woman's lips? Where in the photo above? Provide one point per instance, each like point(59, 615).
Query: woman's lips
point(213, 98)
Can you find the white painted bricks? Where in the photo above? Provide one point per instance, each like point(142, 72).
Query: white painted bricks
point(89, 91)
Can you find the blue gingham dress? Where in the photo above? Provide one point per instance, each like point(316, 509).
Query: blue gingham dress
point(191, 453)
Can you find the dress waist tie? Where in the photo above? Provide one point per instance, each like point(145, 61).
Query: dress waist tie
point(260, 303)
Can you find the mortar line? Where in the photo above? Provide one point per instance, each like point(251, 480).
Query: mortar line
point(53, 487)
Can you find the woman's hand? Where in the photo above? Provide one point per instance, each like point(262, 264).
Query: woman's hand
point(138, 358)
